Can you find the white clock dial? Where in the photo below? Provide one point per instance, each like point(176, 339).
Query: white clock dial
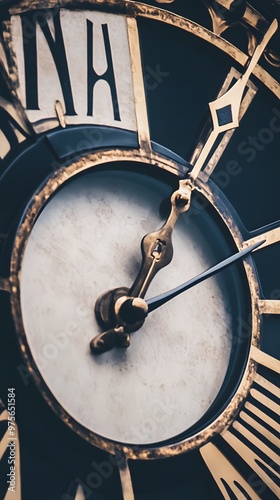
point(86, 241)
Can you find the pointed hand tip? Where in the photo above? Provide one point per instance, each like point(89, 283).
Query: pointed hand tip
point(259, 243)
point(274, 24)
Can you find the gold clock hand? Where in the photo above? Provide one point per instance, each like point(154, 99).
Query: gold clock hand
point(157, 252)
point(156, 247)
point(225, 110)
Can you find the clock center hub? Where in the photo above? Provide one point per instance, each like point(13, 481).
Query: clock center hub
point(122, 314)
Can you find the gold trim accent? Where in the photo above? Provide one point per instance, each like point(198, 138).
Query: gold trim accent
point(125, 476)
point(219, 24)
point(221, 468)
point(270, 237)
point(255, 442)
point(210, 37)
point(80, 493)
point(246, 101)
point(33, 210)
point(244, 450)
point(265, 359)
point(251, 16)
point(219, 150)
point(138, 86)
point(251, 457)
point(264, 400)
point(255, 19)
point(269, 306)
point(60, 113)
point(263, 382)
point(3, 60)
point(232, 98)
point(253, 409)
point(260, 428)
point(225, 3)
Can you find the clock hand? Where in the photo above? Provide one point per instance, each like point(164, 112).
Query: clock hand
point(159, 300)
point(156, 247)
point(130, 312)
point(225, 110)
point(157, 252)
point(116, 337)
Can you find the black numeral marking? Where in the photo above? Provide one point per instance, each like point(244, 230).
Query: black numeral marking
point(108, 76)
point(56, 45)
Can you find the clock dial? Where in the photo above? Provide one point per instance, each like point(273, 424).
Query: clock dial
point(100, 202)
point(104, 112)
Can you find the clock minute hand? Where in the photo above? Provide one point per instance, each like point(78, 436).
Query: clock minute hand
point(132, 311)
point(225, 110)
point(156, 247)
point(159, 300)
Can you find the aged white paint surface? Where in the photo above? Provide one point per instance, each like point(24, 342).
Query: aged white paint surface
point(74, 31)
point(86, 241)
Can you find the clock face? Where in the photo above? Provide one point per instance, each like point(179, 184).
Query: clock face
point(116, 206)
point(120, 120)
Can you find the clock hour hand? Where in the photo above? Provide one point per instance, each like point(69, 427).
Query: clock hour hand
point(157, 252)
point(156, 247)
